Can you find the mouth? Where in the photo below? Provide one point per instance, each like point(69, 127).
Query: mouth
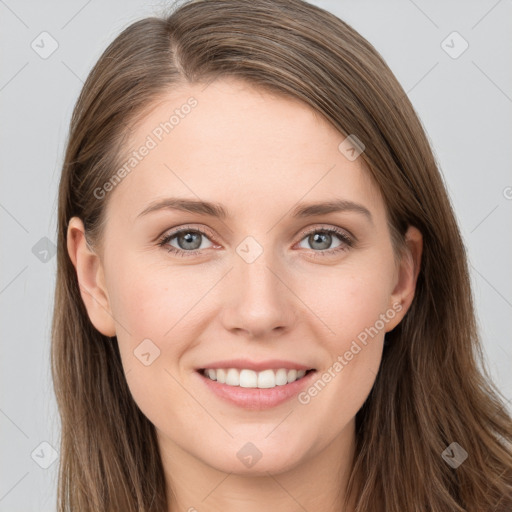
point(251, 379)
point(255, 389)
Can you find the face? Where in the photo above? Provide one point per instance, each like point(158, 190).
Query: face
point(264, 289)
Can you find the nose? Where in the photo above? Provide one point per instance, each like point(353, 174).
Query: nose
point(259, 303)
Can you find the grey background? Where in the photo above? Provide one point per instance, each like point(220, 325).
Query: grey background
point(464, 103)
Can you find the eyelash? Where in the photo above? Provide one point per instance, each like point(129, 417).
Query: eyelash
point(345, 239)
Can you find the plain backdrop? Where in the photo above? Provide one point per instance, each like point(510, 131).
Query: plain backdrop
point(463, 97)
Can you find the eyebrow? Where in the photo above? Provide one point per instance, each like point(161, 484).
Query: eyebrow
point(217, 210)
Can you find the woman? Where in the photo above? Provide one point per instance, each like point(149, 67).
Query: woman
point(262, 296)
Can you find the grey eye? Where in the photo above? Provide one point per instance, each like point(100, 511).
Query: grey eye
point(188, 240)
point(321, 240)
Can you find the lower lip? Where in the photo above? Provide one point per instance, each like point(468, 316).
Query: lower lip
point(256, 398)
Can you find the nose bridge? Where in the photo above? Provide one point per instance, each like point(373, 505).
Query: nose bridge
point(259, 301)
point(255, 281)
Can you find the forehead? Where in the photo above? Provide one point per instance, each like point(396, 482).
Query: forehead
point(235, 144)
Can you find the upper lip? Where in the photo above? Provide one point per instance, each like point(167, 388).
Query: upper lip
point(257, 366)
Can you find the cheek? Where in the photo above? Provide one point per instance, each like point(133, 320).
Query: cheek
point(158, 310)
point(146, 307)
point(347, 300)
point(150, 299)
point(353, 306)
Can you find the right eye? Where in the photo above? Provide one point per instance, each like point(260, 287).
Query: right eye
point(189, 241)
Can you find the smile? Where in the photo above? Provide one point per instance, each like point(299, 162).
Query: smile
point(254, 389)
point(246, 378)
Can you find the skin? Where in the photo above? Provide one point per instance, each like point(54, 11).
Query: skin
point(259, 155)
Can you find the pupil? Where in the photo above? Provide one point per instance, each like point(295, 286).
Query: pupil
point(190, 238)
point(317, 238)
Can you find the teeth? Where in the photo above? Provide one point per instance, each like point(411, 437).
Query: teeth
point(248, 379)
point(251, 379)
point(266, 379)
point(221, 376)
point(282, 377)
point(233, 377)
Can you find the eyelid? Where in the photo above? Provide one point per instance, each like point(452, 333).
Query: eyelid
point(188, 227)
point(329, 228)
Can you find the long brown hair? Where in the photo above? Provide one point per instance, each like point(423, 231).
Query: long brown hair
point(432, 388)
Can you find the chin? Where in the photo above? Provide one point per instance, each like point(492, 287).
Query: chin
point(256, 459)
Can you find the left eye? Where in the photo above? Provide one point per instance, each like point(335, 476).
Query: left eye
point(322, 239)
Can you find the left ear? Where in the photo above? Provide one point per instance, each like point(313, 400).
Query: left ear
point(408, 270)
